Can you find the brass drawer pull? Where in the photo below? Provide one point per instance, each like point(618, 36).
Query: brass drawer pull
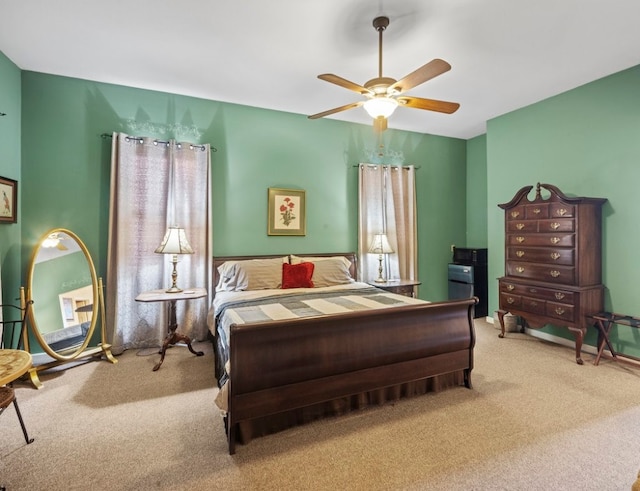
point(559, 295)
point(520, 226)
point(555, 240)
point(555, 273)
point(510, 287)
point(520, 269)
point(520, 239)
point(536, 210)
point(559, 310)
point(561, 211)
point(515, 214)
point(534, 304)
point(519, 253)
point(555, 226)
point(555, 255)
point(533, 290)
point(511, 300)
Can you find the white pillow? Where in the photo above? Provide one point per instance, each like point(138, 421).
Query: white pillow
point(251, 274)
point(226, 271)
point(327, 271)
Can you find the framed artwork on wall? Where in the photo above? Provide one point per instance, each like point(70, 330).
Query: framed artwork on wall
point(286, 212)
point(8, 200)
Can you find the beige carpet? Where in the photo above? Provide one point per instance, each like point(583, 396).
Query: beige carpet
point(534, 420)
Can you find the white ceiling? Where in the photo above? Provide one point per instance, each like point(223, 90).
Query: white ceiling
point(505, 54)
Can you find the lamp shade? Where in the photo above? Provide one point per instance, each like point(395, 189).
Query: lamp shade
point(380, 106)
point(174, 242)
point(380, 245)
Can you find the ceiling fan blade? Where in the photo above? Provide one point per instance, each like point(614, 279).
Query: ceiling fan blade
point(428, 104)
point(336, 110)
point(343, 82)
point(380, 124)
point(425, 72)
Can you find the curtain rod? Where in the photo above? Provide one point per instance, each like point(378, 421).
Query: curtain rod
point(416, 167)
point(104, 136)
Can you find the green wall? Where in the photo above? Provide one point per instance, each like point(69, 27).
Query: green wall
point(65, 165)
point(10, 167)
point(476, 192)
point(586, 142)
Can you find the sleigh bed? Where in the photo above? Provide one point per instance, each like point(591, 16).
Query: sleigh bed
point(286, 356)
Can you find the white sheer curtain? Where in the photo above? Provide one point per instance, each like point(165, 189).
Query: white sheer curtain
point(387, 204)
point(155, 185)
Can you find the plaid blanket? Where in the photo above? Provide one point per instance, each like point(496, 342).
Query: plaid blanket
point(307, 304)
point(272, 305)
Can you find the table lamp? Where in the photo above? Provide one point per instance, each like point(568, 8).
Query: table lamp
point(380, 245)
point(174, 242)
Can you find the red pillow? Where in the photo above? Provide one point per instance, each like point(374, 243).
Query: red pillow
point(297, 275)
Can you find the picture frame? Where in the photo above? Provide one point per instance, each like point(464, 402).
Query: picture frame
point(8, 200)
point(287, 212)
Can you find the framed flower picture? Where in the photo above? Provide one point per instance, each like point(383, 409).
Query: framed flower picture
point(286, 212)
point(8, 200)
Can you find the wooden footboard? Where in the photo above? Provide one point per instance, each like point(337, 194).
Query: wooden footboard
point(277, 366)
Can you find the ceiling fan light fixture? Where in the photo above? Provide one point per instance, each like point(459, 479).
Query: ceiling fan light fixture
point(384, 94)
point(51, 241)
point(380, 107)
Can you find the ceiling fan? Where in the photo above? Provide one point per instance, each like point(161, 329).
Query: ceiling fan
point(384, 94)
point(55, 240)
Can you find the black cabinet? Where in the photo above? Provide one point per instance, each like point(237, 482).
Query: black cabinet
point(477, 259)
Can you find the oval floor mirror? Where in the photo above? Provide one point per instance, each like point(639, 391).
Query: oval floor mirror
point(68, 303)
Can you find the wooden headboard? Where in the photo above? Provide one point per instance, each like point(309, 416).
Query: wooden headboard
point(217, 261)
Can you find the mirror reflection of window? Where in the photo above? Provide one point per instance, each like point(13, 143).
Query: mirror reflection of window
point(76, 306)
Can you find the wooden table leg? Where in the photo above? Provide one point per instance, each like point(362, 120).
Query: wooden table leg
point(174, 337)
point(579, 334)
point(501, 314)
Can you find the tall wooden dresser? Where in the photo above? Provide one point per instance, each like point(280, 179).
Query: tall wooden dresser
point(553, 250)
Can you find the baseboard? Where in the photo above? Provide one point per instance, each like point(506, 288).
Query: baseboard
point(586, 348)
point(557, 339)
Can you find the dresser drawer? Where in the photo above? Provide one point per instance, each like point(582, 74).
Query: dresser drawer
point(552, 294)
point(534, 305)
point(541, 255)
point(509, 301)
point(547, 294)
point(561, 311)
point(542, 272)
point(534, 212)
point(516, 213)
point(558, 240)
point(556, 225)
point(561, 210)
point(522, 226)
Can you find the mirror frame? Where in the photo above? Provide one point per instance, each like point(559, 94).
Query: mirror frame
point(96, 299)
